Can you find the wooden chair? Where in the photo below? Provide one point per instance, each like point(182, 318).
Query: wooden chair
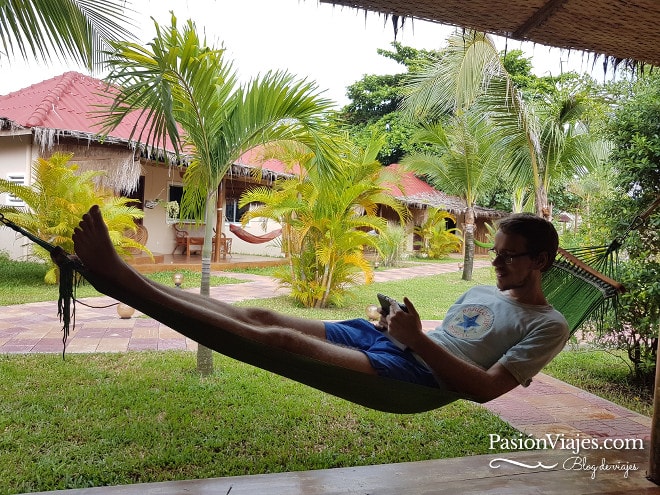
point(186, 241)
point(140, 235)
point(180, 236)
point(225, 247)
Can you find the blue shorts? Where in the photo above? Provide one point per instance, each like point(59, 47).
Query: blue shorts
point(385, 356)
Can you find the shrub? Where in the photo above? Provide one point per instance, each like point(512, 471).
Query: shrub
point(437, 241)
point(391, 244)
point(57, 200)
point(635, 327)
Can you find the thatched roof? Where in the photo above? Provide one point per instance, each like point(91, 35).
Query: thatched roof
point(452, 204)
point(67, 106)
point(619, 29)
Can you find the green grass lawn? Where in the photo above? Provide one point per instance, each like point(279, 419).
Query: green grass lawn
point(602, 373)
point(107, 419)
point(23, 282)
point(431, 296)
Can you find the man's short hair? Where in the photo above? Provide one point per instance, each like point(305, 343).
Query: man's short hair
point(540, 234)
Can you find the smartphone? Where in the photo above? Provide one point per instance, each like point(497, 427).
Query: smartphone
point(386, 301)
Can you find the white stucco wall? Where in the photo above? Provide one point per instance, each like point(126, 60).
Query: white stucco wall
point(161, 234)
point(16, 156)
point(157, 180)
point(17, 153)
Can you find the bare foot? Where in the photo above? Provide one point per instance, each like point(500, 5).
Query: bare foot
point(92, 244)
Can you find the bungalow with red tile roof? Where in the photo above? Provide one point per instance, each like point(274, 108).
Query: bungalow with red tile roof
point(62, 114)
point(419, 196)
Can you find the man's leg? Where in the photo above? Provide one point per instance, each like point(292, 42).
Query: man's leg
point(253, 315)
point(204, 320)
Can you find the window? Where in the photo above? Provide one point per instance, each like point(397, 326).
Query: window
point(175, 193)
point(232, 212)
point(10, 199)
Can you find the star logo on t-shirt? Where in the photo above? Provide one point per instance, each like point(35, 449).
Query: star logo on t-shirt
point(470, 321)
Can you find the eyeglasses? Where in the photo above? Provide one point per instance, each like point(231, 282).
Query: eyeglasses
point(507, 258)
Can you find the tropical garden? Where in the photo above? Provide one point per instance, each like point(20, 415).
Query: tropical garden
point(468, 119)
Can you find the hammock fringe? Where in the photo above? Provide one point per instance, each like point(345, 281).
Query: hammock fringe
point(66, 303)
point(578, 291)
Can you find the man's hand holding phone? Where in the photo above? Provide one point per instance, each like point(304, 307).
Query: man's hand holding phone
point(386, 302)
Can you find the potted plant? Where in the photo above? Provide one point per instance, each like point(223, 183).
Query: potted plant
point(172, 211)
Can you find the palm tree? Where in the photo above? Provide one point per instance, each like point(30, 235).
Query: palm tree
point(437, 241)
point(537, 142)
point(595, 187)
point(470, 73)
point(76, 30)
point(563, 146)
point(570, 150)
point(328, 222)
point(186, 91)
point(462, 160)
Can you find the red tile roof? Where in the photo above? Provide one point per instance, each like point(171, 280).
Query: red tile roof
point(411, 184)
point(67, 103)
point(418, 193)
point(253, 158)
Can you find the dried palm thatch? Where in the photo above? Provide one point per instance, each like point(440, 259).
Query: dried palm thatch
point(620, 31)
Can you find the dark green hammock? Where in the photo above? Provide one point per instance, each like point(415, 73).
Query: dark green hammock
point(571, 286)
point(580, 283)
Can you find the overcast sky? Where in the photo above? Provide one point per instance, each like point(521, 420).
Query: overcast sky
point(335, 46)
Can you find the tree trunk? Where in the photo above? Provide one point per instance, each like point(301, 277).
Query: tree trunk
point(542, 206)
point(219, 221)
point(468, 259)
point(204, 360)
point(654, 454)
point(204, 354)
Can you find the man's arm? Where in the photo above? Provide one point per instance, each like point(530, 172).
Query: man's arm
point(459, 375)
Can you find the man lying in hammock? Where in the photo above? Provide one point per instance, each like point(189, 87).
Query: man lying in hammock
point(492, 339)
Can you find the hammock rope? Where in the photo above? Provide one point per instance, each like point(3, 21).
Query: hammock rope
point(580, 283)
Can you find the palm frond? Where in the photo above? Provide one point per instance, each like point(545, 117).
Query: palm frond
point(77, 30)
point(455, 81)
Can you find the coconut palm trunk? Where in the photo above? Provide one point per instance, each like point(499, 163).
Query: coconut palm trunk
point(468, 259)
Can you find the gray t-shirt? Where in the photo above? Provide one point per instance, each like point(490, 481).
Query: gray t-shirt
point(486, 326)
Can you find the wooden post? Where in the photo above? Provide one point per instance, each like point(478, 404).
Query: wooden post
point(654, 451)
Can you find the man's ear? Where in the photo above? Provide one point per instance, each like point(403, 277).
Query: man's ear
point(542, 261)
